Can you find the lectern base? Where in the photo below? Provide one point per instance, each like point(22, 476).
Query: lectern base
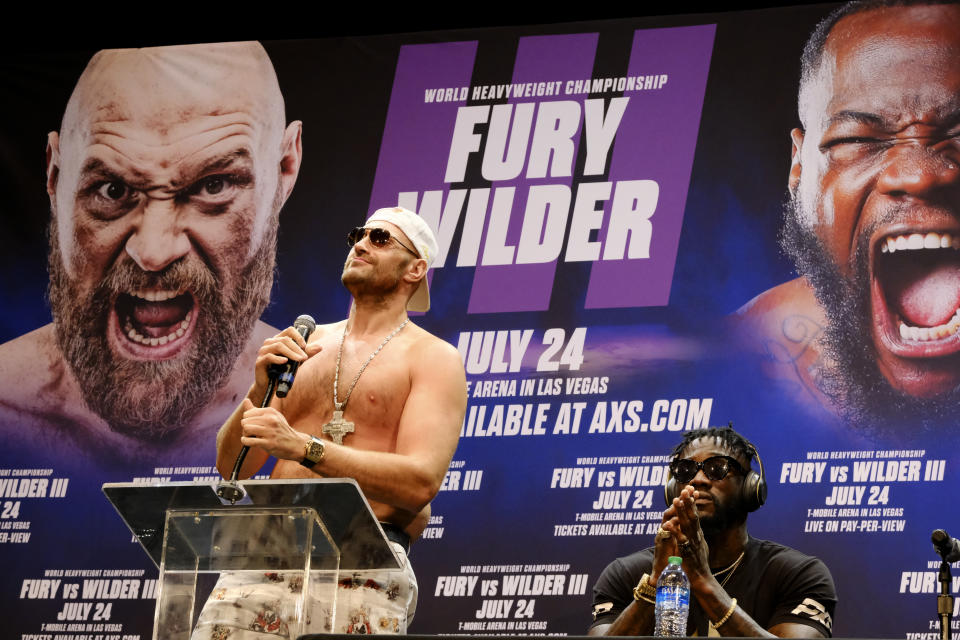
point(256, 605)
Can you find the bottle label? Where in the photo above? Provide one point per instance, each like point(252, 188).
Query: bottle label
point(673, 596)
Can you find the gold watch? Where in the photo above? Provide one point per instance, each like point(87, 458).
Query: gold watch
point(313, 452)
point(644, 590)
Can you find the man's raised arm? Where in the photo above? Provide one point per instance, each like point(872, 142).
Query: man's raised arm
point(427, 434)
point(288, 344)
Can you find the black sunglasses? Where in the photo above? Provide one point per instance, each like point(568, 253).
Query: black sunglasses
point(378, 237)
point(714, 467)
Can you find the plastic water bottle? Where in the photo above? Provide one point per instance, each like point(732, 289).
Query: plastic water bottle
point(673, 601)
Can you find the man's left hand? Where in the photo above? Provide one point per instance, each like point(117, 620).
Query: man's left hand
point(685, 527)
point(268, 429)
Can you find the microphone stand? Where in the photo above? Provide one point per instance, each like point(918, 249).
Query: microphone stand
point(231, 489)
point(944, 600)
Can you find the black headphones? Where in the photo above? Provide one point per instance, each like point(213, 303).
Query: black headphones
point(753, 491)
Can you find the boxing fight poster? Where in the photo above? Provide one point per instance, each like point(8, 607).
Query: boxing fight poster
point(645, 226)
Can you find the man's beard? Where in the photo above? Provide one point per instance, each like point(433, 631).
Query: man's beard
point(849, 371)
point(151, 400)
point(375, 289)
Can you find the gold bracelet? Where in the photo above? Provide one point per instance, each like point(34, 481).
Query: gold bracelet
point(719, 623)
point(645, 599)
point(644, 588)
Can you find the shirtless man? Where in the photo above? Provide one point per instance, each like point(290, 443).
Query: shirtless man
point(870, 330)
point(165, 183)
point(405, 395)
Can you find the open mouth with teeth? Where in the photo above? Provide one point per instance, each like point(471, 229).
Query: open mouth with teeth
point(917, 283)
point(151, 324)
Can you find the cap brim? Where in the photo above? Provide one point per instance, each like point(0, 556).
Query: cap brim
point(420, 300)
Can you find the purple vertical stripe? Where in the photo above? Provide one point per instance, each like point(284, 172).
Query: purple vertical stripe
point(527, 287)
point(656, 141)
point(416, 136)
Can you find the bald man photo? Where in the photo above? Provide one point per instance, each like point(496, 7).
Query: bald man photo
point(165, 182)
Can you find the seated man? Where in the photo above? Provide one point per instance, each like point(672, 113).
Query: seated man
point(740, 586)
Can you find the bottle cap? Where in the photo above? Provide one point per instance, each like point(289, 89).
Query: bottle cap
point(675, 560)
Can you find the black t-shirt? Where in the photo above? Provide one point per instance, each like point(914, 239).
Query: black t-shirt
point(772, 584)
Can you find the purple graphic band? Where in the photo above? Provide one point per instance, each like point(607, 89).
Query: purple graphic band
point(527, 287)
point(416, 136)
point(422, 112)
point(655, 142)
point(513, 231)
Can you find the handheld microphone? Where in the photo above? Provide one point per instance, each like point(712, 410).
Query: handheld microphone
point(947, 547)
point(281, 377)
point(285, 372)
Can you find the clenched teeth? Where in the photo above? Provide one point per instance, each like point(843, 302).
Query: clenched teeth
point(915, 241)
point(926, 334)
point(155, 296)
point(161, 340)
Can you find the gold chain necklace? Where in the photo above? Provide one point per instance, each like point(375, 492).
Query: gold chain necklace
point(341, 406)
point(730, 569)
point(338, 427)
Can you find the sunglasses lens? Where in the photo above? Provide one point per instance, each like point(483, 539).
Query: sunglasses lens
point(379, 237)
point(684, 470)
point(716, 468)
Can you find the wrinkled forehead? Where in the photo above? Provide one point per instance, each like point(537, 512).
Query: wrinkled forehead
point(911, 25)
point(159, 88)
point(908, 50)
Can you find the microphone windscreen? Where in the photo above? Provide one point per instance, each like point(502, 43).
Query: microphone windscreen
point(305, 321)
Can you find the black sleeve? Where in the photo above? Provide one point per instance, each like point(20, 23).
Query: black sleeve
point(806, 595)
point(613, 591)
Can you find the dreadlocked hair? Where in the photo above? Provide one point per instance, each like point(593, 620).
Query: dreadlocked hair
point(730, 439)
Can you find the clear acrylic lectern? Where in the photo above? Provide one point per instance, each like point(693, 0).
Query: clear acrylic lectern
point(312, 529)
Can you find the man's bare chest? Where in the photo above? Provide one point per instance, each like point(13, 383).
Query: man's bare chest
point(374, 389)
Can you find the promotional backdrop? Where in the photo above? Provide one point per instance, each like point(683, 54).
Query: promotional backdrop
point(606, 197)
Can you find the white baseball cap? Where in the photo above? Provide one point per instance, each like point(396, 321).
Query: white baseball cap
point(424, 241)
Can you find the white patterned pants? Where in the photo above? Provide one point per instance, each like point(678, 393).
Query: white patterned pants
point(261, 606)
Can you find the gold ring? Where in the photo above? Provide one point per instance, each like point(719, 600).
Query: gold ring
point(662, 533)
